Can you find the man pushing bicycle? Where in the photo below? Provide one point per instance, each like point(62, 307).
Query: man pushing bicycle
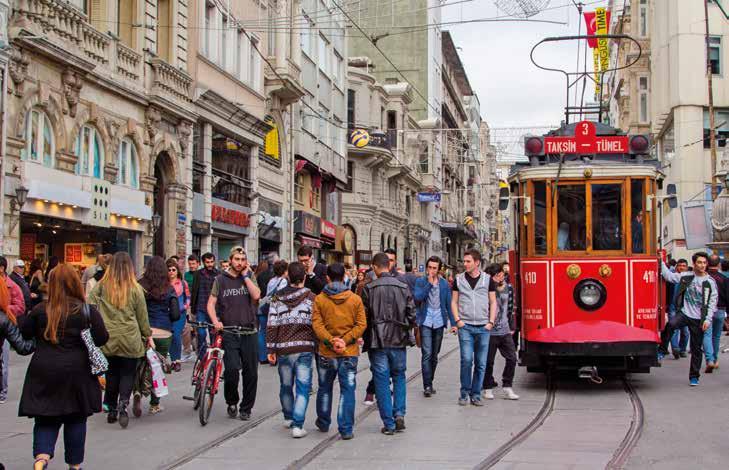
point(231, 303)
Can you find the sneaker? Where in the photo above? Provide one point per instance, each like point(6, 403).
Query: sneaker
point(111, 417)
point(476, 402)
point(387, 431)
point(684, 354)
point(463, 401)
point(509, 394)
point(433, 391)
point(427, 393)
point(137, 405)
point(298, 433)
point(287, 423)
point(694, 382)
point(487, 393)
point(3, 400)
point(661, 355)
point(155, 409)
point(123, 417)
point(369, 399)
point(245, 415)
point(232, 411)
point(676, 355)
point(399, 423)
point(709, 368)
point(188, 356)
point(347, 437)
point(177, 366)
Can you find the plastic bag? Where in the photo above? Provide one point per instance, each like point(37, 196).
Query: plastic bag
point(159, 381)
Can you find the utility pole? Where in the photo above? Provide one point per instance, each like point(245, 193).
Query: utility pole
point(712, 126)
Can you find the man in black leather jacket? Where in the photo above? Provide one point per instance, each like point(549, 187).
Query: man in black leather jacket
point(390, 320)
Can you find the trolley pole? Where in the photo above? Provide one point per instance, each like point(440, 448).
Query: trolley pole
point(712, 124)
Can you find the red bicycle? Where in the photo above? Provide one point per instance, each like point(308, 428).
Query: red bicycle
point(207, 372)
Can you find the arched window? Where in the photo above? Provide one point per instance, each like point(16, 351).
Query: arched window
point(39, 144)
point(389, 241)
point(90, 153)
point(382, 242)
point(128, 174)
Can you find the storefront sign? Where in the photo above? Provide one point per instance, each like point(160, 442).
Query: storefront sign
point(230, 216)
point(363, 257)
point(27, 246)
point(328, 229)
point(271, 146)
point(309, 241)
point(345, 240)
point(428, 197)
point(74, 253)
point(307, 224)
point(200, 228)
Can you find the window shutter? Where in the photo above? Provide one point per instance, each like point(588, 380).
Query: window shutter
point(96, 15)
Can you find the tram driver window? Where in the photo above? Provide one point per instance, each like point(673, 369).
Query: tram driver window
point(607, 226)
point(571, 230)
point(540, 218)
point(637, 216)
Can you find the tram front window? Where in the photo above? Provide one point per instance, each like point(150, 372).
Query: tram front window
point(607, 227)
point(571, 231)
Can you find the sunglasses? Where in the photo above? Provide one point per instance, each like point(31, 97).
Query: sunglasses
point(169, 270)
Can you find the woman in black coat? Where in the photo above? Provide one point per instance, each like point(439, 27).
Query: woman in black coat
point(59, 388)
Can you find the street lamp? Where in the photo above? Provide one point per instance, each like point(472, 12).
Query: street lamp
point(21, 195)
point(156, 221)
point(17, 203)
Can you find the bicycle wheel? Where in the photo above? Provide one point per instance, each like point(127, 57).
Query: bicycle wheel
point(197, 381)
point(207, 396)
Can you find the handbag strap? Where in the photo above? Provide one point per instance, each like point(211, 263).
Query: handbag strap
point(87, 314)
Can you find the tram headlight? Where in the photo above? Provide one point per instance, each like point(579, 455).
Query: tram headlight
point(590, 294)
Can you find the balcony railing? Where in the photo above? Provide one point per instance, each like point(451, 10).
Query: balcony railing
point(171, 81)
point(128, 62)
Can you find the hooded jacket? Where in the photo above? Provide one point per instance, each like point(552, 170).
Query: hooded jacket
point(338, 313)
point(289, 330)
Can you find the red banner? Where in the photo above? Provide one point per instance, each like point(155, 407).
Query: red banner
point(591, 22)
point(328, 229)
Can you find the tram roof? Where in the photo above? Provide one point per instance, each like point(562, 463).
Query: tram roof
point(576, 169)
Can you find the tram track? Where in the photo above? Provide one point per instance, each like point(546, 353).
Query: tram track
point(254, 423)
point(621, 453)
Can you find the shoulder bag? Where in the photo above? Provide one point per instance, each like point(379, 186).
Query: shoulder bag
point(99, 363)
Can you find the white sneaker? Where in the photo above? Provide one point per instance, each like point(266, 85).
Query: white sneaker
point(487, 394)
point(509, 394)
point(287, 423)
point(298, 433)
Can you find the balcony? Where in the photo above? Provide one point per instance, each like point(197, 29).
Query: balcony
point(171, 87)
point(285, 83)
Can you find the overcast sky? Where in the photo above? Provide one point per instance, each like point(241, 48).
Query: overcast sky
point(511, 90)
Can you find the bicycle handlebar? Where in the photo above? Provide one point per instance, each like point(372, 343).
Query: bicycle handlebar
point(204, 324)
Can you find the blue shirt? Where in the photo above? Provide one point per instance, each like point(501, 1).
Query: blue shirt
point(433, 315)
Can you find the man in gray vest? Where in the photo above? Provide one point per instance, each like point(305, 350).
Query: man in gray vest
point(474, 309)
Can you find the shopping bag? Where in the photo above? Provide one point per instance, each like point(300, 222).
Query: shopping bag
point(159, 381)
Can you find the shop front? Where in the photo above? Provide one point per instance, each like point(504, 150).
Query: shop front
point(307, 229)
point(230, 226)
point(328, 239)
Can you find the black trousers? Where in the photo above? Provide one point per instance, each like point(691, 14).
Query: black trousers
point(505, 345)
point(241, 362)
point(696, 341)
point(119, 380)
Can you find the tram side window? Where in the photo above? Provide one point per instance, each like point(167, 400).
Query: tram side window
point(637, 215)
point(540, 218)
point(607, 225)
point(571, 230)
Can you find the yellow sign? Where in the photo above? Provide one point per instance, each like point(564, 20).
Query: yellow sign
point(596, 63)
point(271, 145)
point(468, 220)
point(602, 43)
point(359, 138)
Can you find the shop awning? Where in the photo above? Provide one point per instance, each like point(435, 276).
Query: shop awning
point(130, 209)
point(309, 241)
point(46, 191)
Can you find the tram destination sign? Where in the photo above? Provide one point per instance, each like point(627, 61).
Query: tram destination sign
point(600, 144)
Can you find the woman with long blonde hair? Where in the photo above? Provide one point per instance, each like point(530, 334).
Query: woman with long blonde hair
point(120, 300)
point(59, 388)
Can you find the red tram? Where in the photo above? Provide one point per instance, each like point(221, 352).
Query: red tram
point(586, 254)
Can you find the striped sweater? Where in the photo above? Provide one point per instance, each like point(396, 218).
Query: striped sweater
point(289, 329)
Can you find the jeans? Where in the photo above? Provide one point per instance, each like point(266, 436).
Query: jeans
point(162, 346)
point(45, 435)
point(328, 369)
point(295, 369)
point(386, 364)
point(679, 321)
point(712, 337)
point(202, 333)
point(240, 362)
point(176, 346)
point(119, 381)
point(430, 342)
point(680, 337)
point(5, 358)
point(505, 345)
point(262, 352)
point(474, 343)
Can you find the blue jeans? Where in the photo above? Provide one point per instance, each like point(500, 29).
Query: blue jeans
point(386, 364)
point(202, 333)
point(329, 368)
point(295, 369)
point(5, 358)
point(680, 337)
point(176, 345)
point(712, 337)
point(430, 342)
point(262, 352)
point(474, 343)
point(45, 435)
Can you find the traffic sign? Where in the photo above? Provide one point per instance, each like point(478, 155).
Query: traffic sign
point(428, 197)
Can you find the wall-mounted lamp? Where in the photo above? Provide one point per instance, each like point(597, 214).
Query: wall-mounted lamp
point(16, 204)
